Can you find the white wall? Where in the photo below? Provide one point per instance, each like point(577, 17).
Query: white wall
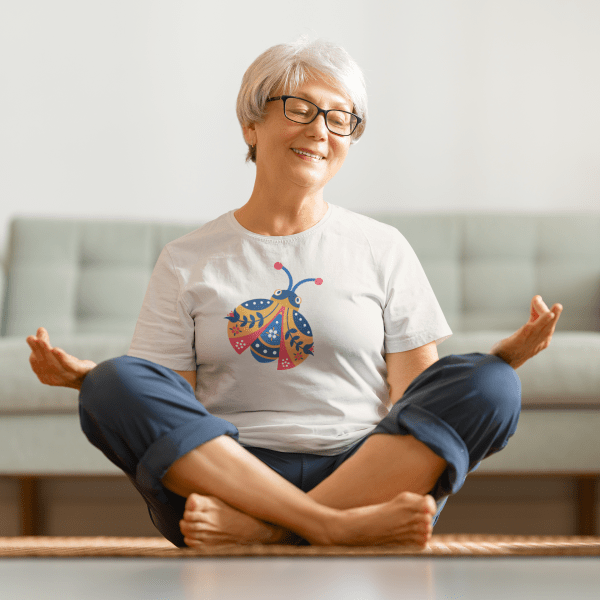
point(126, 108)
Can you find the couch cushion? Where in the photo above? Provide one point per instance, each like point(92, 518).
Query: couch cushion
point(552, 441)
point(49, 445)
point(23, 393)
point(566, 374)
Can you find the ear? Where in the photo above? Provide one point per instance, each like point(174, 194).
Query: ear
point(249, 133)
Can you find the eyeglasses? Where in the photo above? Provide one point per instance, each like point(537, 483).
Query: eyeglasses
point(299, 110)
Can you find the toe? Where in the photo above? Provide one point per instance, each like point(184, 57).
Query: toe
point(430, 505)
point(191, 542)
point(191, 504)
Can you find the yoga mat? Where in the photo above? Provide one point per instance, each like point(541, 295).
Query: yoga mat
point(440, 545)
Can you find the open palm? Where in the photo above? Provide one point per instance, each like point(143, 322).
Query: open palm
point(53, 366)
point(533, 337)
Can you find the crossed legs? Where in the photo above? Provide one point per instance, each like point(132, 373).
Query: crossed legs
point(234, 497)
point(146, 419)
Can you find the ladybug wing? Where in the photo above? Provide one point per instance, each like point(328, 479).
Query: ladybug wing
point(265, 348)
point(296, 340)
point(249, 320)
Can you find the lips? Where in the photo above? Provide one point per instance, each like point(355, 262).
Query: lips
point(308, 153)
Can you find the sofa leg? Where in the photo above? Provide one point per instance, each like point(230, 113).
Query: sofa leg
point(586, 495)
point(30, 506)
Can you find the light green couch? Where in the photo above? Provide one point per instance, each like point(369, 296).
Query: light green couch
point(85, 280)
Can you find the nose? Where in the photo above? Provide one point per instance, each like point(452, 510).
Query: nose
point(318, 128)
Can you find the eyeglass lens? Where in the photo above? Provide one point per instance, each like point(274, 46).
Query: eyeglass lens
point(301, 111)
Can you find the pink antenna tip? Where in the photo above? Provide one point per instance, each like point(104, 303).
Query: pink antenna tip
point(278, 266)
point(318, 281)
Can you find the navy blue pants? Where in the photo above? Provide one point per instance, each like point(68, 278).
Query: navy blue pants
point(144, 417)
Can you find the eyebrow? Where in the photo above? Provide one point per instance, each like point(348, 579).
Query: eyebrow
point(337, 103)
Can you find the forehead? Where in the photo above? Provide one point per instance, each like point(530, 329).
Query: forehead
point(324, 93)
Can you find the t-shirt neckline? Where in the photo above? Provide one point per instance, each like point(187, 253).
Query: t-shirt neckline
point(279, 238)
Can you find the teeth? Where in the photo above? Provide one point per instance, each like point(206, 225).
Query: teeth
point(307, 154)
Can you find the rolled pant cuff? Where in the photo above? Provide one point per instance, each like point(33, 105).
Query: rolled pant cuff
point(405, 418)
point(178, 442)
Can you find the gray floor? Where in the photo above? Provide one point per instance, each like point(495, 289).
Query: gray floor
point(300, 578)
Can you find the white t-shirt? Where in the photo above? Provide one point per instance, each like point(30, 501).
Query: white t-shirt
point(296, 366)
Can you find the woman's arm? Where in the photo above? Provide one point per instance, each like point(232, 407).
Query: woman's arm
point(403, 367)
point(189, 376)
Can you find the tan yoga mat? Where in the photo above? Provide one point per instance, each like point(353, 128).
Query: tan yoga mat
point(440, 545)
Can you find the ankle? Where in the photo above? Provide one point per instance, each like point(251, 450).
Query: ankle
point(329, 529)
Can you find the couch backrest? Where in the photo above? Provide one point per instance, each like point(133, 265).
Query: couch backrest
point(77, 276)
point(486, 267)
point(80, 276)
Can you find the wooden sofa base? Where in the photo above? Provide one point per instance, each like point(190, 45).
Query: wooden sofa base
point(585, 499)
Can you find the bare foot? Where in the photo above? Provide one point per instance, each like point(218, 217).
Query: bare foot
point(405, 520)
point(208, 521)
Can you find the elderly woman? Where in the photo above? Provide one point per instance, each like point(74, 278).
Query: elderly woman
point(283, 383)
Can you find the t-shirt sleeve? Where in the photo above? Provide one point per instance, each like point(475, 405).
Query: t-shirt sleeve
point(412, 315)
point(164, 332)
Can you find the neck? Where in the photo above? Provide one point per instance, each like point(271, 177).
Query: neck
point(279, 213)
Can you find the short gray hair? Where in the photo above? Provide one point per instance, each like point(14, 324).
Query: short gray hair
point(288, 66)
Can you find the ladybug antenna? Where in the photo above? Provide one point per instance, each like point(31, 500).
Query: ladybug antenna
point(317, 281)
point(279, 266)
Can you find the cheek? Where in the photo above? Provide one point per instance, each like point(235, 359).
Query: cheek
point(341, 151)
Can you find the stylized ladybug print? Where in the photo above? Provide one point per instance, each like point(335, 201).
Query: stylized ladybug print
point(273, 329)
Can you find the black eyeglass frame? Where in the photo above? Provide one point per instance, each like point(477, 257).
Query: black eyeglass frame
point(319, 111)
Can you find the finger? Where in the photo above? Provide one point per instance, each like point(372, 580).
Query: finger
point(431, 505)
point(36, 350)
point(46, 351)
point(42, 334)
point(540, 305)
point(65, 360)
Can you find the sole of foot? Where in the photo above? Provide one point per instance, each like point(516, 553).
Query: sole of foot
point(210, 521)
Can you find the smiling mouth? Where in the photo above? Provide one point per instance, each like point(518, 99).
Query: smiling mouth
point(307, 155)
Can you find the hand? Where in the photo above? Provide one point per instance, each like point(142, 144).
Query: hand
point(54, 366)
point(532, 338)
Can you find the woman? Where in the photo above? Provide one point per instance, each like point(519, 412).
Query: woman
point(293, 438)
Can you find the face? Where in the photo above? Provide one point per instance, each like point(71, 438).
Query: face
point(278, 141)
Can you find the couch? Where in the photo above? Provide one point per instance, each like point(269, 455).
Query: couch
point(84, 280)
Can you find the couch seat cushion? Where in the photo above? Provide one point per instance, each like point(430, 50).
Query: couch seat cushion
point(566, 374)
